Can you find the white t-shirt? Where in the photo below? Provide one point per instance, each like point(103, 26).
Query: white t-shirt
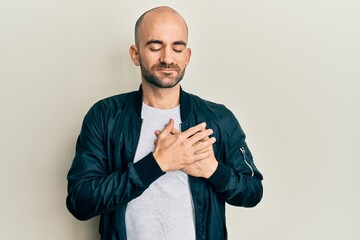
point(165, 210)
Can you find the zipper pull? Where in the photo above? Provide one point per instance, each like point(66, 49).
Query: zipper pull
point(242, 150)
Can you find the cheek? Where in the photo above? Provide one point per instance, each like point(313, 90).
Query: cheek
point(183, 62)
point(186, 58)
point(148, 61)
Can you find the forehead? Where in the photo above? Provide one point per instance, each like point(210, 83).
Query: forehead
point(166, 27)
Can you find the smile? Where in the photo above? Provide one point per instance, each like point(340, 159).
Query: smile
point(166, 70)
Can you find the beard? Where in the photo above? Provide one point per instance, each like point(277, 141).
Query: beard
point(164, 81)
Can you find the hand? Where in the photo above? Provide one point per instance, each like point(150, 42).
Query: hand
point(175, 150)
point(201, 168)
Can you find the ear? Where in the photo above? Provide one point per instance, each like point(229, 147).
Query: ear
point(188, 55)
point(134, 55)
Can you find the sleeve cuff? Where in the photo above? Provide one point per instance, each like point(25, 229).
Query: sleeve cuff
point(220, 177)
point(148, 169)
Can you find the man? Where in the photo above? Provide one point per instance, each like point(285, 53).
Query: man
point(160, 163)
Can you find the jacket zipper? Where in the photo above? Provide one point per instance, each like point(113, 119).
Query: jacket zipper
point(242, 150)
point(192, 199)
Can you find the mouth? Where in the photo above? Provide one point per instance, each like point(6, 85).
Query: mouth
point(166, 70)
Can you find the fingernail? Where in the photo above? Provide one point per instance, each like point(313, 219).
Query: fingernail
point(203, 124)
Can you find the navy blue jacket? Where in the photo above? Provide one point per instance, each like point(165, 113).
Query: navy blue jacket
point(103, 177)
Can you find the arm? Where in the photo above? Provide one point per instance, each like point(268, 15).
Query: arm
point(92, 188)
point(236, 179)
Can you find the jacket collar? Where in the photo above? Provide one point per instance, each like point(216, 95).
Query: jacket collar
point(185, 103)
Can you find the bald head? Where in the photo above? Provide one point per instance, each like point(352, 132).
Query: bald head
point(156, 16)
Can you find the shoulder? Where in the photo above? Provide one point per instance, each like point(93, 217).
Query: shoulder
point(110, 106)
point(114, 102)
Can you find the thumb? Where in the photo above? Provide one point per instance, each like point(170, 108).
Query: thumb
point(168, 127)
point(174, 131)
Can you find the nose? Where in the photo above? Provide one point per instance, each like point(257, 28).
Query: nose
point(166, 56)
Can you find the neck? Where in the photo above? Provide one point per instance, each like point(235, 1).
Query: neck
point(163, 98)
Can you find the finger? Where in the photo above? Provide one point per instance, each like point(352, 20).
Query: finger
point(202, 146)
point(204, 139)
point(206, 149)
point(157, 132)
point(203, 155)
point(191, 131)
point(168, 127)
point(199, 136)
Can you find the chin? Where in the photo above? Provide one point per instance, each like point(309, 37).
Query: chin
point(167, 82)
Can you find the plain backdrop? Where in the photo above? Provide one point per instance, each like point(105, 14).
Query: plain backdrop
point(289, 70)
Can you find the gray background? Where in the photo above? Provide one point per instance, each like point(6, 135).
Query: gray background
point(289, 70)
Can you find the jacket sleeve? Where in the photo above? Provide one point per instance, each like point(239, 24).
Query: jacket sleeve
point(92, 188)
point(236, 179)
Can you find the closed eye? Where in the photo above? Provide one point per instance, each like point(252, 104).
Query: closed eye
point(154, 45)
point(155, 49)
point(179, 46)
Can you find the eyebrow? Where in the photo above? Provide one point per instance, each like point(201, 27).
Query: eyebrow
point(180, 43)
point(153, 41)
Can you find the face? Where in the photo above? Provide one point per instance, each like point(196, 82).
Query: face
point(162, 53)
point(162, 75)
